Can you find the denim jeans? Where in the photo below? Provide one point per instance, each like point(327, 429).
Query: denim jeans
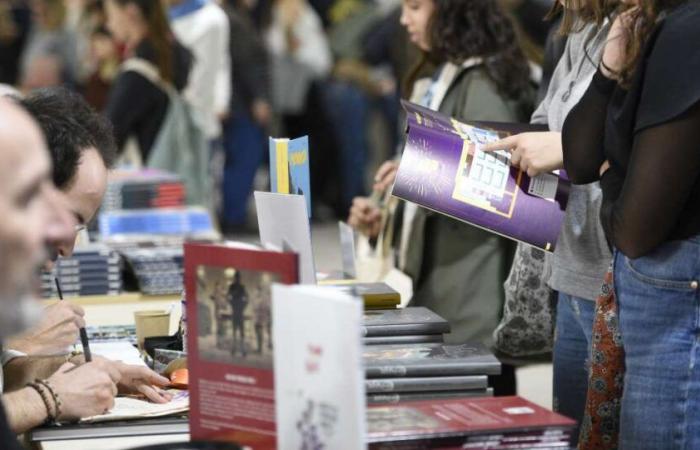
point(572, 347)
point(659, 322)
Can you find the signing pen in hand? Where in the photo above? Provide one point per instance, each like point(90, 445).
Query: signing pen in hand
point(83, 334)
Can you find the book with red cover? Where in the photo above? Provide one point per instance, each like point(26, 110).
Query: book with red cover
point(451, 423)
point(229, 341)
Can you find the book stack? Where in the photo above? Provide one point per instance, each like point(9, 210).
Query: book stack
point(404, 372)
point(494, 423)
point(91, 270)
point(143, 189)
point(158, 270)
point(191, 221)
point(412, 325)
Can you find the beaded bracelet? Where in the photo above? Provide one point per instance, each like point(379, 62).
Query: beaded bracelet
point(56, 398)
point(50, 418)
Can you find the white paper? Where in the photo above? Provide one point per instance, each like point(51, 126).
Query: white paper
point(134, 408)
point(347, 249)
point(319, 377)
point(544, 185)
point(117, 351)
point(283, 218)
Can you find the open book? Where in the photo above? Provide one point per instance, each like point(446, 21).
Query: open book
point(135, 408)
point(444, 169)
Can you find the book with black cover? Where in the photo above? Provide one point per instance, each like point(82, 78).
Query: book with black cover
point(389, 340)
point(435, 423)
point(396, 397)
point(419, 360)
point(426, 384)
point(409, 321)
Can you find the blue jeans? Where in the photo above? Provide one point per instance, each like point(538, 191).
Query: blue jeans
point(572, 348)
point(245, 146)
point(660, 322)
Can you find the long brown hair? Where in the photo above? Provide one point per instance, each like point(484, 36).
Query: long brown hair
point(461, 29)
point(641, 23)
point(159, 34)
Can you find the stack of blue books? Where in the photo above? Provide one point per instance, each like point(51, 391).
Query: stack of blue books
point(91, 270)
point(158, 270)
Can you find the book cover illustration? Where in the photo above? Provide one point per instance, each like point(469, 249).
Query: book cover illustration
point(412, 421)
point(320, 400)
point(289, 167)
point(444, 169)
point(416, 321)
point(429, 360)
point(229, 340)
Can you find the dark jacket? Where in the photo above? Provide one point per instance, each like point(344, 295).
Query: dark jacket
point(136, 106)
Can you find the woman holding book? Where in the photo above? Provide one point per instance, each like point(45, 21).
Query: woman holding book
point(581, 258)
point(636, 130)
point(472, 69)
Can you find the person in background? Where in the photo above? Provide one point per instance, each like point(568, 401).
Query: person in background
point(457, 269)
point(50, 57)
point(31, 208)
point(245, 129)
point(581, 258)
point(104, 57)
point(15, 22)
point(136, 106)
point(203, 28)
point(635, 130)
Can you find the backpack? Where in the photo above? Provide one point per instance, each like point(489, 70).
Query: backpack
point(181, 146)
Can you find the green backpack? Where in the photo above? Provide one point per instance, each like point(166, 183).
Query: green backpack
point(181, 146)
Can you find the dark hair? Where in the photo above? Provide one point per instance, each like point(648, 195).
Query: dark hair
point(159, 34)
point(462, 29)
point(582, 12)
point(70, 127)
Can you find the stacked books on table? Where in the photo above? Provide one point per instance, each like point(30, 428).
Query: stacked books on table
point(190, 221)
point(158, 270)
point(412, 325)
point(143, 189)
point(404, 372)
point(91, 270)
point(493, 423)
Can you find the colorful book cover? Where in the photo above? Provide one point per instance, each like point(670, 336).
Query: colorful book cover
point(289, 167)
point(319, 391)
point(444, 169)
point(229, 341)
point(437, 421)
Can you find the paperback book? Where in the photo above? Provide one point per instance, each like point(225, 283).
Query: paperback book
point(229, 340)
point(427, 384)
point(289, 168)
point(443, 168)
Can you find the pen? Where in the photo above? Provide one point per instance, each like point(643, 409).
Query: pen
point(83, 334)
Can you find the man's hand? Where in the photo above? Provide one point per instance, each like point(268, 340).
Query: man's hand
point(365, 216)
point(142, 380)
point(534, 153)
point(87, 390)
point(58, 329)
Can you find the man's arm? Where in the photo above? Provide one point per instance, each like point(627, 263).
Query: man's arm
point(20, 371)
point(25, 410)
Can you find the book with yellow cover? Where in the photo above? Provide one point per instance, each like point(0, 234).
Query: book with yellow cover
point(375, 295)
point(289, 167)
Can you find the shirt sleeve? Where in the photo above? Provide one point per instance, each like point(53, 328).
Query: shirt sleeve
point(584, 132)
point(642, 207)
point(128, 101)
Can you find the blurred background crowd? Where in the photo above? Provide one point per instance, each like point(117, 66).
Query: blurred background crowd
point(330, 69)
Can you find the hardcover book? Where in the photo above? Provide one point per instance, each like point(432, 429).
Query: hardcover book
point(319, 394)
point(417, 396)
point(289, 167)
point(425, 360)
point(389, 340)
point(375, 295)
point(444, 169)
point(438, 423)
point(411, 321)
point(427, 384)
point(229, 341)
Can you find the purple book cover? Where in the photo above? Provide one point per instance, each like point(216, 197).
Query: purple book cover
point(443, 169)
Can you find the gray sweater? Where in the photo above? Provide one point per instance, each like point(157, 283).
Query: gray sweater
point(582, 255)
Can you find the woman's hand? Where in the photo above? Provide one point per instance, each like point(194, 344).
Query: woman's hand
point(534, 153)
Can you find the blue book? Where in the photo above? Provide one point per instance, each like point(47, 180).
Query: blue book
point(289, 168)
